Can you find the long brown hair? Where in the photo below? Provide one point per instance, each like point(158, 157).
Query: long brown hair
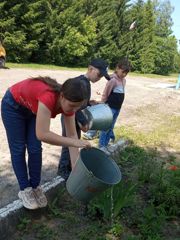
point(49, 81)
point(73, 89)
point(76, 89)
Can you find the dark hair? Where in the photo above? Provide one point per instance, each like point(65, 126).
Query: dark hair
point(73, 89)
point(124, 64)
point(50, 81)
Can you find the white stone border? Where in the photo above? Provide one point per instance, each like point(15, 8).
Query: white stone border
point(17, 204)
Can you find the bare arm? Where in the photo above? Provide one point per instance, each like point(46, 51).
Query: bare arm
point(124, 82)
point(44, 134)
point(107, 90)
point(71, 132)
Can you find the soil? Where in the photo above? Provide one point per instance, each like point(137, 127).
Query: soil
point(146, 99)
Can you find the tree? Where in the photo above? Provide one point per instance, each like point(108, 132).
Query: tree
point(112, 26)
point(148, 35)
point(166, 46)
point(73, 34)
point(165, 55)
point(12, 36)
point(37, 27)
point(24, 29)
point(163, 23)
point(136, 37)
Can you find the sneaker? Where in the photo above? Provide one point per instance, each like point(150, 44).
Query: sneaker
point(105, 150)
point(40, 197)
point(28, 198)
point(111, 148)
point(112, 141)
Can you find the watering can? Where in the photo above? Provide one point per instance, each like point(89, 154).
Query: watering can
point(99, 116)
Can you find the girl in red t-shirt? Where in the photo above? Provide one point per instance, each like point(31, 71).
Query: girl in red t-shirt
point(26, 110)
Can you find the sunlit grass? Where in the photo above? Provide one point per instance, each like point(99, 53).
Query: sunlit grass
point(172, 77)
point(42, 66)
point(166, 134)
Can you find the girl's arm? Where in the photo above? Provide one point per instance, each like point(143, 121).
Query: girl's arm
point(124, 82)
point(71, 132)
point(44, 134)
point(107, 90)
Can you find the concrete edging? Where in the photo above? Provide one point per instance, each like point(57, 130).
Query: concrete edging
point(11, 214)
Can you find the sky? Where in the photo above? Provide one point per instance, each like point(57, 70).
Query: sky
point(176, 19)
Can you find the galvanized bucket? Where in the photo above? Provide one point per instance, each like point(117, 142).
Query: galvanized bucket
point(99, 116)
point(93, 173)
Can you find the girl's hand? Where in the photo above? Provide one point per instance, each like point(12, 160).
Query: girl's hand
point(82, 143)
point(85, 128)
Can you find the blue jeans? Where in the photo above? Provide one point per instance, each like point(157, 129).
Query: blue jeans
point(20, 124)
point(105, 136)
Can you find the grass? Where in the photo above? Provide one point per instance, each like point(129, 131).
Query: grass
point(164, 133)
point(172, 77)
point(143, 206)
point(43, 66)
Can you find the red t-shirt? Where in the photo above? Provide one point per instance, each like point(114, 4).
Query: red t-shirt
point(29, 92)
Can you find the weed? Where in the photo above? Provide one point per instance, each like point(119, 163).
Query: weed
point(116, 230)
point(120, 196)
point(53, 208)
point(167, 191)
point(23, 225)
point(42, 231)
point(151, 223)
point(132, 237)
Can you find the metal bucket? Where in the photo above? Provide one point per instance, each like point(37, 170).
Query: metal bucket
point(93, 173)
point(99, 116)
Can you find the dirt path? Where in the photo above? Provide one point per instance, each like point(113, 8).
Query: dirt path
point(140, 94)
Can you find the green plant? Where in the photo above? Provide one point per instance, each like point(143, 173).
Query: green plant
point(53, 208)
point(42, 231)
point(93, 231)
point(116, 230)
point(158, 191)
point(145, 168)
point(24, 223)
point(132, 237)
point(167, 191)
point(109, 203)
point(151, 223)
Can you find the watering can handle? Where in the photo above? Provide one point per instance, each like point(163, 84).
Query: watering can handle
point(90, 124)
point(80, 125)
